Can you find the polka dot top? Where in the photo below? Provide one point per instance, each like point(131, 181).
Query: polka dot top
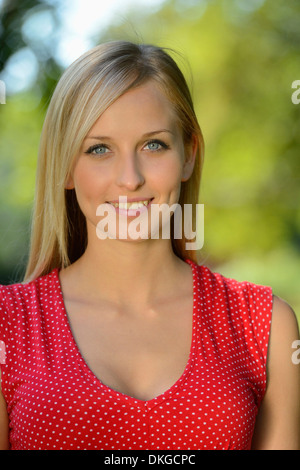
point(54, 400)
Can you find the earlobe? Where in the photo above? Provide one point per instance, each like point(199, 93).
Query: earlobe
point(190, 157)
point(70, 183)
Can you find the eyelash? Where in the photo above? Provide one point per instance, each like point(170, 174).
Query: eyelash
point(94, 147)
point(163, 145)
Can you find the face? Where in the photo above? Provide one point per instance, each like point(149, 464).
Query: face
point(135, 150)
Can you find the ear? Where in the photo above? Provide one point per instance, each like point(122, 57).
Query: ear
point(70, 183)
point(190, 155)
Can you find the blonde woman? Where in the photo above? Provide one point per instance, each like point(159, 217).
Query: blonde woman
point(125, 342)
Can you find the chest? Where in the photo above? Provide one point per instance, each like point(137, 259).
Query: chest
point(140, 354)
point(212, 407)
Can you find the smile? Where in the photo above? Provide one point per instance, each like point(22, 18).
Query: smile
point(131, 205)
point(130, 208)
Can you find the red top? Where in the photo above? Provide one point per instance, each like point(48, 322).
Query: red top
point(56, 402)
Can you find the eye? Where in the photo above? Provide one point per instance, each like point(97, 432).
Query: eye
point(156, 146)
point(98, 149)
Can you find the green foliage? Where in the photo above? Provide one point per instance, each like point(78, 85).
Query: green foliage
point(20, 124)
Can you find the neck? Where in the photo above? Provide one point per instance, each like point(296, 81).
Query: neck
point(128, 272)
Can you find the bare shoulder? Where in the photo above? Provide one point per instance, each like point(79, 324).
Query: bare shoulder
point(284, 322)
point(284, 333)
point(280, 305)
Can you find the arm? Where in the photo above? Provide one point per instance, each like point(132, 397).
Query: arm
point(278, 421)
point(4, 443)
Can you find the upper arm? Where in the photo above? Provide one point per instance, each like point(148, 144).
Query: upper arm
point(278, 421)
point(4, 442)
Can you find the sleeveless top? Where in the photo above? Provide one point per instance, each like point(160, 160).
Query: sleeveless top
point(54, 400)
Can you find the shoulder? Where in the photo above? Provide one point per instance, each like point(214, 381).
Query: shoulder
point(246, 306)
point(263, 306)
point(19, 296)
point(245, 293)
point(24, 305)
point(255, 296)
point(284, 328)
point(283, 314)
point(13, 294)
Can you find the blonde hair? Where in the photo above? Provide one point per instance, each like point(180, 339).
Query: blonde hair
point(86, 89)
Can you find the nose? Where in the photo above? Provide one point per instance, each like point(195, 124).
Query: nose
point(129, 172)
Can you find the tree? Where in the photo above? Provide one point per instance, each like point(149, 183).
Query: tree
point(19, 35)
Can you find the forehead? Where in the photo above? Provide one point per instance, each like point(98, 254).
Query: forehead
point(141, 109)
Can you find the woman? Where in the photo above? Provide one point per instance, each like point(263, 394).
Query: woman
point(122, 342)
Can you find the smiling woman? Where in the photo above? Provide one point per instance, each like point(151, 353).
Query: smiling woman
point(88, 88)
point(132, 160)
point(122, 342)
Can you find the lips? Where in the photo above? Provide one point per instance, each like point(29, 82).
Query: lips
point(131, 205)
point(130, 208)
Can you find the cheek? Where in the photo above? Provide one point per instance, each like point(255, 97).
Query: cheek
point(169, 174)
point(89, 183)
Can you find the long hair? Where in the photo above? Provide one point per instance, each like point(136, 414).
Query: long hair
point(86, 89)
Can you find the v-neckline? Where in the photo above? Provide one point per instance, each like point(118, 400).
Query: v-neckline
point(117, 394)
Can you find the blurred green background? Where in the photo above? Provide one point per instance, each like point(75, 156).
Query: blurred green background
point(240, 58)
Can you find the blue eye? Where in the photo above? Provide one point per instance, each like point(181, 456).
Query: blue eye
point(98, 149)
point(156, 145)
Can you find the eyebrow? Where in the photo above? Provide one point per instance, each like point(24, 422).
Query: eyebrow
point(148, 134)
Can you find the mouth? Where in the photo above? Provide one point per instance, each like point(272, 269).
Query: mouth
point(130, 208)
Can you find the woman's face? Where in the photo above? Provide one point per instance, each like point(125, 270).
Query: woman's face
point(134, 150)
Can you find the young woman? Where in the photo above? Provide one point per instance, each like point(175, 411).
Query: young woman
point(121, 341)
